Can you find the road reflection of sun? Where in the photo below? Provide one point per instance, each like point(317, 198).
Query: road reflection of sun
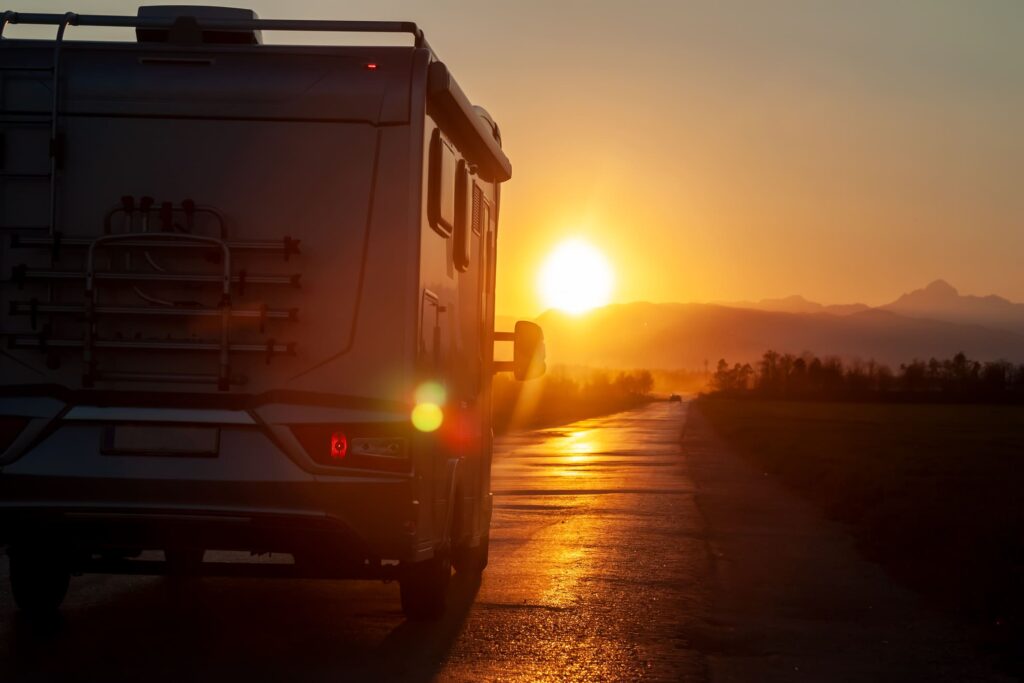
point(578, 442)
point(577, 449)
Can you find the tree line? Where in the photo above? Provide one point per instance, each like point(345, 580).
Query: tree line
point(807, 376)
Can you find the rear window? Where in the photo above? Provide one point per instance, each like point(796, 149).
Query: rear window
point(443, 168)
point(463, 244)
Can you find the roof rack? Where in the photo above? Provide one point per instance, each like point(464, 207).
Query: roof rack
point(72, 19)
point(450, 99)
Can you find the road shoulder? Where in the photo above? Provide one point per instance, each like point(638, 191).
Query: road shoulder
point(791, 597)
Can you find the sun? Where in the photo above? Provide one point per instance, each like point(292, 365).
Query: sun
point(576, 277)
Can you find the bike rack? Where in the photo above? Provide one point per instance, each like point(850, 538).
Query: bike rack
point(92, 310)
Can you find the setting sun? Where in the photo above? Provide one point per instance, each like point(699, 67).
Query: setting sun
point(576, 277)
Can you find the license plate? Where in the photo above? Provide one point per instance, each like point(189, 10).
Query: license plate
point(161, 440)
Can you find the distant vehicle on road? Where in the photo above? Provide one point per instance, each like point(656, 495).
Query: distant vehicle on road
point(248, 304)
point(675, 398)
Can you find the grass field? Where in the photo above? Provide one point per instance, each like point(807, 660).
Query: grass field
point(935, 493)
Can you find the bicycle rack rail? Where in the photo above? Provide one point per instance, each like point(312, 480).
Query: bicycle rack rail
point(92, 310)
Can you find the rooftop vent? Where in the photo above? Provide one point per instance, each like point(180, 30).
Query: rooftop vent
point(188, 21)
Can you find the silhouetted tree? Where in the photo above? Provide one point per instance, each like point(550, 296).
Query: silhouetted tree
point(807, 376)
point(732, 380)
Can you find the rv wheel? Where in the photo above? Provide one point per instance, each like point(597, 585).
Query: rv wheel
point(39, 579)
point(184, 561)
point(424, 587)
point(472, 559)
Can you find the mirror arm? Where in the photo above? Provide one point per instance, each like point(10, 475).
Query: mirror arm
point(504, 366)
point(528, 352)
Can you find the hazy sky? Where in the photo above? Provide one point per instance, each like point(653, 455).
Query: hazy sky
point(740, 150)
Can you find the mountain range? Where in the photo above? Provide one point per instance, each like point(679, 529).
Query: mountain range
point(933, 321)
point(938, 301)
point(941, 301)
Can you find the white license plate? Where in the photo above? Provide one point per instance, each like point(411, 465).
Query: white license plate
point(143, 439)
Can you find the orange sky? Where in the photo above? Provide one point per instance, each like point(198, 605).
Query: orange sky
point(740, 150)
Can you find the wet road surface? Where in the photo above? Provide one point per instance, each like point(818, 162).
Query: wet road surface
point(619, 552)
point(595, 563)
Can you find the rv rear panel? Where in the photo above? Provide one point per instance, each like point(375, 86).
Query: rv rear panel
point(231, 276)
point(265, 196)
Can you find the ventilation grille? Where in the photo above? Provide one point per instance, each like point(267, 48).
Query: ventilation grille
point(477, 201)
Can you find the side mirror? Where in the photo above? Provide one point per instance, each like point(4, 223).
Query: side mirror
point(529, 358)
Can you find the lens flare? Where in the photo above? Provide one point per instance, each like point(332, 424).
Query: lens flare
point(430, 392)
point(427, 417)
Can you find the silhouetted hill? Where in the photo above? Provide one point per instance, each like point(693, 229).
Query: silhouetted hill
point(685, 335)
point(797, 304)
point(941, 301)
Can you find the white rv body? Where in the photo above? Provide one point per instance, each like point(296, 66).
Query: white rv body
point(220, 259)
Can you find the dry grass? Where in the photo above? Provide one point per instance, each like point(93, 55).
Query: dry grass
point(933, 492)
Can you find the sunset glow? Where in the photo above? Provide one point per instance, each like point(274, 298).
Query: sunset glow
point(617, 340)
point(576, 277)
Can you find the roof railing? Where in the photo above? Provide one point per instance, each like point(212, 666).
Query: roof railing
point(213, 24)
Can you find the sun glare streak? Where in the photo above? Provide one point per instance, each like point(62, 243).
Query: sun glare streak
point(526, 402)
point(576, 277)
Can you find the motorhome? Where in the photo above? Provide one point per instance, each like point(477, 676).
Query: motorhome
point(247, 302)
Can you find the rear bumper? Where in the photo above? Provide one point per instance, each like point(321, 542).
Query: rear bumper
point(252, 496)
point(323, 544)
point(98, 528)
point(329, 522)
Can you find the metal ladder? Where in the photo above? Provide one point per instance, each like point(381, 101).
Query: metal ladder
point(55, 143)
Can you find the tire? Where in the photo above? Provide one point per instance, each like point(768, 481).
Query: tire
point(39, 580)
point(472, 560)
point(184, 561)
point(424, 588)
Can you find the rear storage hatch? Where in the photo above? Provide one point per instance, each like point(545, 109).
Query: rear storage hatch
point(210, 209)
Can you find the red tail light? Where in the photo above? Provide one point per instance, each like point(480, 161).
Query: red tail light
point(339, 445)
point(380, 447)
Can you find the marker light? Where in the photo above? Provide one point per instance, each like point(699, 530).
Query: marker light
point(339, 445)
point(370, 66)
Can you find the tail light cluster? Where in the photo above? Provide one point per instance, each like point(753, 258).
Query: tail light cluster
point(358, 446)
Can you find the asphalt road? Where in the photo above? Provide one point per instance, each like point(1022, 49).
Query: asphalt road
point(618, 553)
